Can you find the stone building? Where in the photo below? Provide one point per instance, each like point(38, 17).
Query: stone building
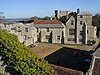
point(79, 28)
point(85, 30)
point(59, 13)
point(28, 34)
point(95, 64)
point(70, 33)
point(50, 31)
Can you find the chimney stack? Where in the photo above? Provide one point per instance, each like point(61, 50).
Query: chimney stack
point(78, 10)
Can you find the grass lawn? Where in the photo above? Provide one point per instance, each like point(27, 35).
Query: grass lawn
point(44, 49)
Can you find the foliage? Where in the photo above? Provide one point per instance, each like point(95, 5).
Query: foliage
point(19, 58)
point(96, 22)
point(35, 18)
point(26, 21)
point(63, 19)
point(46, 18)
point(91, 42)
point(74, 14)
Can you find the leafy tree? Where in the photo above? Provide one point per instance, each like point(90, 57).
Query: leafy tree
point(20, 59)
point(63, 19)
point(26, 21)
point(74, 14)
point(34, 18)
point(96, 22)
point(46, 18)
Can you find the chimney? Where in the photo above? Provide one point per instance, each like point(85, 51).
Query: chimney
point(56, 14)
point(78, 10)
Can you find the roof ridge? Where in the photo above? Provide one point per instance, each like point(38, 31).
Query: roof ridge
point(47, 22)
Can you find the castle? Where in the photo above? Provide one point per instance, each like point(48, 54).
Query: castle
point(77, 30)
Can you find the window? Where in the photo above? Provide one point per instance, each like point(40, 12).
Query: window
point(71, 31)
point(26, 29)
point(47, 29)
point(81, 32)
point(87, 31)
point(37, 30)
point(71, 39)
point(28, 37)
point(58, 37)
point(80, 40)
point(81, 16)
point(25, 37)
point(80, 22)
point(47, 36)
point(72, 22)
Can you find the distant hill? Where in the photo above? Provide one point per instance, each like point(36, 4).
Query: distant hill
point(17, 19)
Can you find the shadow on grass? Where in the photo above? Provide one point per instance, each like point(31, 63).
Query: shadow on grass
point(70, 58)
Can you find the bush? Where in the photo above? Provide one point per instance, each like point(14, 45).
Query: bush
point(20, 59)
point(91, 42)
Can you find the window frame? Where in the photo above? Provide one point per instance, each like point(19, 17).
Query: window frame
point(26, 29)
point(71, 31)
point(47, 36)
point(81, 16)
point(58, 37)
point(81, 22)
point(47, 29)
point(72, 22)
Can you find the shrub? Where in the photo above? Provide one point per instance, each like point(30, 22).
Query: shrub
point(20, 59)
point(91, 42)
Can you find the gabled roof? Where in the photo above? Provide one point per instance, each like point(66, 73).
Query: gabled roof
point(97, 52)
point(48, 24)
point(86, 13)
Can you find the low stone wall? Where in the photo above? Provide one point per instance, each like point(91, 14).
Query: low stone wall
point(65, 71)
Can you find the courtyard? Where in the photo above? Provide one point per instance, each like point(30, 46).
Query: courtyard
point(77, 57)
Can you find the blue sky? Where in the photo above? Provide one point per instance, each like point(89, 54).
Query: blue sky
point(41, 8)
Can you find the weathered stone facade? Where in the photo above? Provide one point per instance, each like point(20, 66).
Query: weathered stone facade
point(95, 64)
point(78, 30)
point(70, 31)
point(85, 30)
point(50, 31)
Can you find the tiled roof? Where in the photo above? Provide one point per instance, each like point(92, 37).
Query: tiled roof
point(47, 22)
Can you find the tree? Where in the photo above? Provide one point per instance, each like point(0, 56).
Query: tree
point(63, 19)
point(96, 22)
point(20, 59)
point(46, 18)
point(35, 18)
point(26, 21)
